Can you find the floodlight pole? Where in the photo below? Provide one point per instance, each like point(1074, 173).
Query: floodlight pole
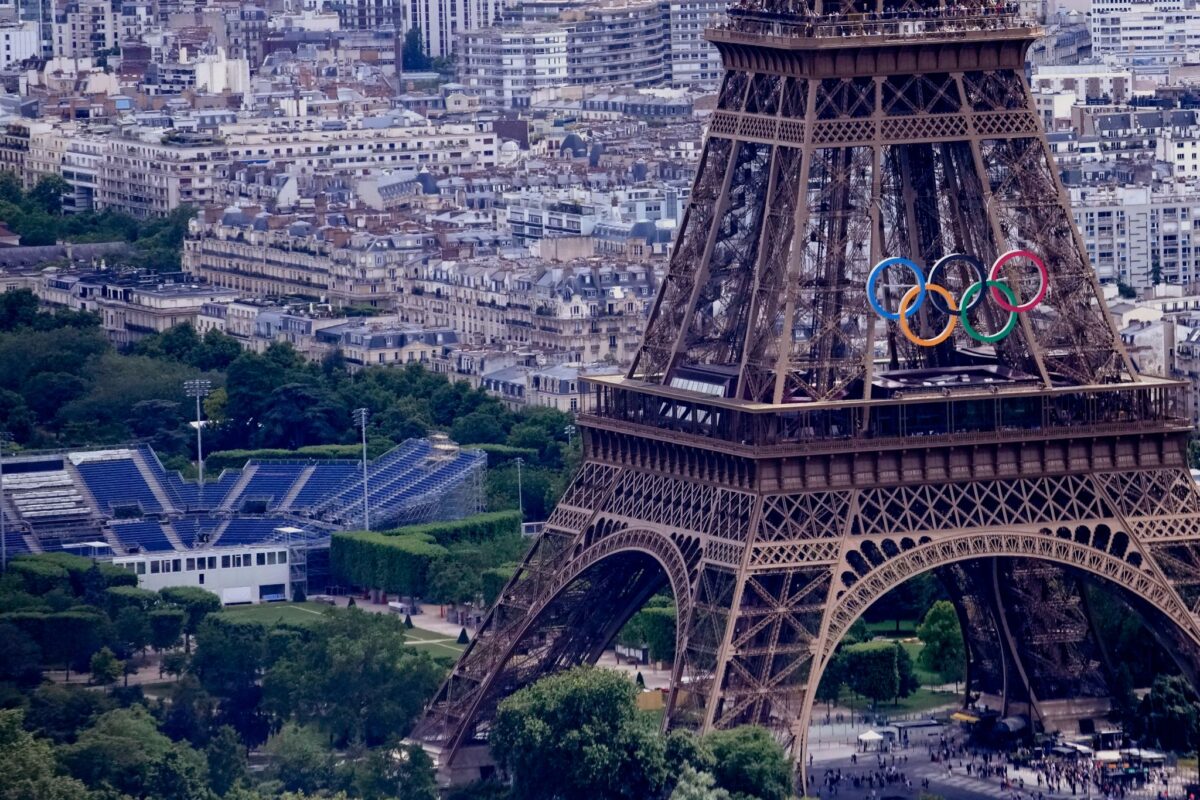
point(3, 534)
point(199, 388)
point(360, 418)
point(520, 497)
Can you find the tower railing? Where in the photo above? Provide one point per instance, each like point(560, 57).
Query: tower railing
point(884, 26)
point(978, 416)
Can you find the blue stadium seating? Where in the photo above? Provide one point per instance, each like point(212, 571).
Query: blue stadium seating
point(272, 481)
point(147, 536)
point(383, 474)
point(15, 543)
point(326, 478)
point(252, 530)
point(118, 482)
point(435, 478)
point(189, 529)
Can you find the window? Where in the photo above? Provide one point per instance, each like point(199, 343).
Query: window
point(212, 562)
point(261, 559)
point(283, 556)
point(141, 568)
point(155, 568)
point(201, 578)
point(224, 562)
point(191, 564)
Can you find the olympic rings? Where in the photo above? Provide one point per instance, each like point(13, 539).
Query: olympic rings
point(874, 276)
point(949, 329)
point(943, 300)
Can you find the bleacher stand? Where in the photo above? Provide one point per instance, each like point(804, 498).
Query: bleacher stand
point(141, 535)
point(115, 481)
point(252, 530)
point(326, 478)
point(271, 482)
point(64, 498)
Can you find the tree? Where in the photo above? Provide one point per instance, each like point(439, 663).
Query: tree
point(388, 772)
point(229, 661)
point(196, 604)
point(118, 750)
point(1169, 715)
point(353, 678)
point(451, 580)
point(59, 712)
point(478, 427)
point(299, 759)
point(944, 652)
point(166, 627)
point(132, 629)
point(829, 690)
point(47, 193)
point(180, 773)
point(873, 670)
point(695, 785)
point(750, 763)
point(20, 656)
point(226, 760)
point(106, 668)
point(413, 55)
point(27, 767)
point(578, 734)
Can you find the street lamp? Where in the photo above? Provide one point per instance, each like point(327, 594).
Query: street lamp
point(4, 438)
point(520, 499)
point(198, 388)
point(360, 419)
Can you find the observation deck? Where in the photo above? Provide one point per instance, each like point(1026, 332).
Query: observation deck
point(753, 25)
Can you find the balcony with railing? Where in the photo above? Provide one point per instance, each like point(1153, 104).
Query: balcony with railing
point(755, 23)
point(974, 415)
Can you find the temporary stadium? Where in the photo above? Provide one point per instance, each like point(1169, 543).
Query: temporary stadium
point(122, 503)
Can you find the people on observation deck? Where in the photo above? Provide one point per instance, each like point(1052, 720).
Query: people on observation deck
point(764, 16)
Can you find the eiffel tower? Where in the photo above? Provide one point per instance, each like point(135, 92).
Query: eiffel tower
point(799, 433)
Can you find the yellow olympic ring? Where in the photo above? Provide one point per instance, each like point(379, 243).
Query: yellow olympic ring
point(911, 295)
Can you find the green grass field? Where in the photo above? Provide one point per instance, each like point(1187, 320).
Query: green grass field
point(908, 627)
point(303, 614)
point(279, 613)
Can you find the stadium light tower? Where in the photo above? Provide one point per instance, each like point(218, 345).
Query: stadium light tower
point(198, 388)
point(520, 495)
point(360, 419)
point(4, 437)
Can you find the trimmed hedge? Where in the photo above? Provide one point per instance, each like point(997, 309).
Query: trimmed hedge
point(494, 580)
point(236, 459)
point(76, 566)
point(387, 561)
point(479, 528)
point(499, 454)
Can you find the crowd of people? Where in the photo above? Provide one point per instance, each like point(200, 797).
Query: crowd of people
point(781, 16)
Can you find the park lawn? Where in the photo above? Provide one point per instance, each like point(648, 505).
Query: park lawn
point(922, 700)
point(887, 628)
point(420, 634)
point(926, 678)
point(278, 613)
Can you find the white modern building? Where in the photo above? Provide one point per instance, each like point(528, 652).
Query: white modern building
point(1139, 235)
point(19, 41)
point(442, 22)
point(1145, 32)
point(511, 63)
point(691, 59)
point(235, 574)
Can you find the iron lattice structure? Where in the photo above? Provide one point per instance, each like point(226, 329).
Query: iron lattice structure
point(779, 456)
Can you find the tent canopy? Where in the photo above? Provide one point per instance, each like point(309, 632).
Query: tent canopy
point(870, 736)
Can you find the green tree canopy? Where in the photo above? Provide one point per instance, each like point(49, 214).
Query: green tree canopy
point(578, 734)
point(27, 766)
point(944, 652)
point(750, 764)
